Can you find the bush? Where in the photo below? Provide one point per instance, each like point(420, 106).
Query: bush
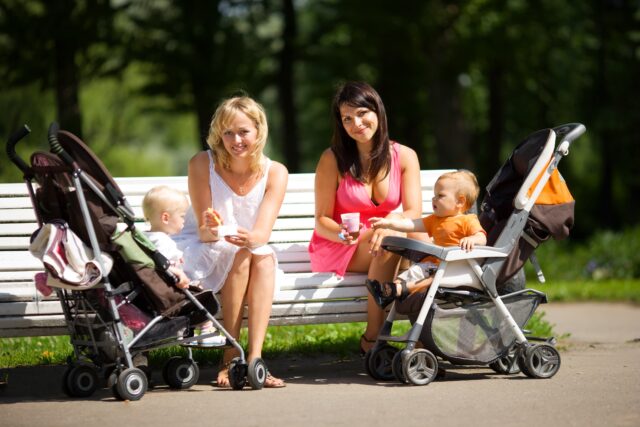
point(606, 255)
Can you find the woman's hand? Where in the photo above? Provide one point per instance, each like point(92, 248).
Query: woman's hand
point(242, 239)
point(209, 230)
point(347, 238)
point(376, 239)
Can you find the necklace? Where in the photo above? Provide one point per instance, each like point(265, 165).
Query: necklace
point(244, 184)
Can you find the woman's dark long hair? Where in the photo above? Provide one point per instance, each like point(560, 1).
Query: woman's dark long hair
point(358, 94)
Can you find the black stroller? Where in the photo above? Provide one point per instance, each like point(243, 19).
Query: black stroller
point(472, 314)
point(85, 219)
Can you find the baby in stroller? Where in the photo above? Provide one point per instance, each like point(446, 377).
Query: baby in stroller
point(164, 209)
point(468, 315)
point(454, 194)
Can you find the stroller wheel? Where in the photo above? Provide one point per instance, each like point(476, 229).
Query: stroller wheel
point(506, 365)
point(540, 361)
point(365, 361)
point(396, 367)
point(80, 381)
point(380, 362)
point(181, 373)
point(237, 374)
point(131, 384)
point(420, 367)
point(257, 373)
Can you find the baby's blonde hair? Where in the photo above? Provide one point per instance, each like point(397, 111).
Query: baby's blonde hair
point(220, 121)
point(162, 199)
point(466, 185)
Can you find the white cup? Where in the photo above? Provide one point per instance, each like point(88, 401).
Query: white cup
point(352, 222)
point(227, 230)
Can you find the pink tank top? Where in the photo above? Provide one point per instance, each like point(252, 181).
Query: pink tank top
point(352, 196)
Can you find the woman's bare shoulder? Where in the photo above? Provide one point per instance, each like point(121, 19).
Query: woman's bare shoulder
point(406, 151)
point(199, 164)
point(327, 162)
point(199, 160)
point(408, 156)
point(277, 169)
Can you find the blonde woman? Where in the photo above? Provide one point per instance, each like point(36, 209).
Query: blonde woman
point(236, 193)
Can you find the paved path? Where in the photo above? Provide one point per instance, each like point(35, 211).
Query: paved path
point(598, 384)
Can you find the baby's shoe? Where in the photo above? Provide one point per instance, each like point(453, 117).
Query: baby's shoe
point(215, 340)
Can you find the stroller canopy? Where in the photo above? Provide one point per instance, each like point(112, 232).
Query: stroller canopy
point(552, 214)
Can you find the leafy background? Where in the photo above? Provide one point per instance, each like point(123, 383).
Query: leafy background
point(463, 81)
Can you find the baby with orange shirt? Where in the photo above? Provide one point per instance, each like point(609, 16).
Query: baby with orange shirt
point(454, 193)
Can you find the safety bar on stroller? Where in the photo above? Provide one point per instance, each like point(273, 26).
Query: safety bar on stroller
point(415, 250)
point(11, 149)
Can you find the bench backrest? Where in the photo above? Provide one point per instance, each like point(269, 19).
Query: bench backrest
point(23, 311)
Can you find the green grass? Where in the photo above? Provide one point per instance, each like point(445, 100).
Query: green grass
point(339, 339)
point(26, 351)
point(590, 290)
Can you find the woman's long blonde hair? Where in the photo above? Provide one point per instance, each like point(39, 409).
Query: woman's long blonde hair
point(221, 120)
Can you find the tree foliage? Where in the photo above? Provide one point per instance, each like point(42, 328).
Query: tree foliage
point(463, 81)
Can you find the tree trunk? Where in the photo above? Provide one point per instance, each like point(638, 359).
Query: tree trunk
point(202, 17)
point(66, 70)
point(605, 191)
point(452, 137)
point(491, 154)
point(286, 97)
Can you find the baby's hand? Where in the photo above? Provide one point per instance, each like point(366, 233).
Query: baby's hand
point(183, 280)
point(377, 222)
point(467, 244)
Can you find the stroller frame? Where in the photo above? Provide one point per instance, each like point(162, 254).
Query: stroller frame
point(419, 366)
point(127, 381)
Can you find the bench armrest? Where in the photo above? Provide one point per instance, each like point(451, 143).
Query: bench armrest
point(415, 250)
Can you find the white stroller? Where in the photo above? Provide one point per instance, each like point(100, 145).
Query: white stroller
point(468, 316)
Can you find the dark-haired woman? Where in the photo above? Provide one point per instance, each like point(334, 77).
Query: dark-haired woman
point(363, 172)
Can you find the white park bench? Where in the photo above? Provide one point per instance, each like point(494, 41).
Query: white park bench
point(302, 297)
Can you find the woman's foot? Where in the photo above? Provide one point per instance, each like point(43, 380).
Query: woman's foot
point(365, 344)
point(223, 371)
point(273, 382)
point(223, 376)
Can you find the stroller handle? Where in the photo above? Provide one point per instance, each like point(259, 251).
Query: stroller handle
point(569, 132)
point(11, 148)
point(56, 148)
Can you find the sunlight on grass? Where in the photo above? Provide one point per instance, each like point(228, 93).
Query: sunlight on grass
point(592, 290)
point(338, 339)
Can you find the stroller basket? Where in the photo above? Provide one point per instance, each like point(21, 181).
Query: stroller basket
point(475, 332)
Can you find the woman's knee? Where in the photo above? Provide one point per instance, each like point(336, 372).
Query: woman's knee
point(263, 264)
point(242, 261)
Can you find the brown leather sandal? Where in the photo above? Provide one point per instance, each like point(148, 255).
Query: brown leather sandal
point(273, 382)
